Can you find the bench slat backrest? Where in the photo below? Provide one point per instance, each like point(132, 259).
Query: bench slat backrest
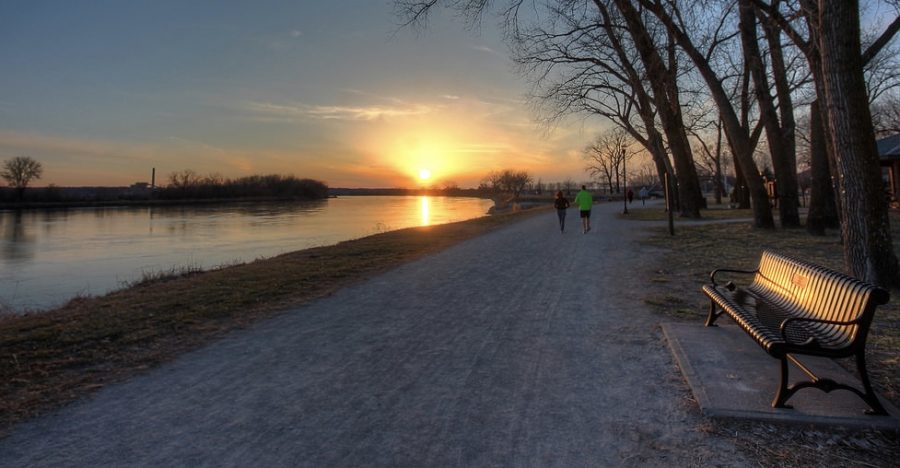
point(813, 291)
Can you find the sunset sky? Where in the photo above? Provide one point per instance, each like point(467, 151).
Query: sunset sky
point(101, 92)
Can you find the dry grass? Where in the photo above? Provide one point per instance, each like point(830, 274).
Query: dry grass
point(654, 212)
point(51, 358)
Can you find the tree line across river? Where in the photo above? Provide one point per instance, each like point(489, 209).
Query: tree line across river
point(19, 172)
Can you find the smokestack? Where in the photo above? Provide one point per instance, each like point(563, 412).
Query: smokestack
point(153, 179)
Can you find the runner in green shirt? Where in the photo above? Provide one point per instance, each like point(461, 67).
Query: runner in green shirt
point(584, 200)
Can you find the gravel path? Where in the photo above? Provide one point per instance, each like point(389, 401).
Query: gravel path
point(522, 347)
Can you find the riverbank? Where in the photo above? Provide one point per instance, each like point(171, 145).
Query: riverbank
point(52, 358)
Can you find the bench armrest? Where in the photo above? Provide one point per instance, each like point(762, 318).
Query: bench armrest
point(712, 276)
point(787, 321)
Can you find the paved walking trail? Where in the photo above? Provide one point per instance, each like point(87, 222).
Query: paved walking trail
point(523, 347)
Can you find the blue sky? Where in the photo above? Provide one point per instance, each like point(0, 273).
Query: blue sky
point(100, 92)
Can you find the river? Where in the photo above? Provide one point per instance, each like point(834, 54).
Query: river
point(48, 257)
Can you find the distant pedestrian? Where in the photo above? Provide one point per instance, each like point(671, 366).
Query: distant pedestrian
point(643, 193)
point(630, 196)
point(562, 204)
point(585, 201)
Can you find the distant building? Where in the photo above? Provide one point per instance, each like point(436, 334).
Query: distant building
point(889, 155)
point(136, 190)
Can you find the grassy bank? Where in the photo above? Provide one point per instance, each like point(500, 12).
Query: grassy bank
point(51, 358)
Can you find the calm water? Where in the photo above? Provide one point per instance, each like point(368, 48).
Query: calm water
point(48, 257)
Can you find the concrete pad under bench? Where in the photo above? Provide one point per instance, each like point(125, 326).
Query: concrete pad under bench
point(732, 377)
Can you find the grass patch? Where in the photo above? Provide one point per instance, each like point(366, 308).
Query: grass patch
point(50, 358)
point(688, 257)
point(157, 276)
point(657, 212)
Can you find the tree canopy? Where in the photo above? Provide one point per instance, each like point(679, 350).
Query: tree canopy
point(20, 171)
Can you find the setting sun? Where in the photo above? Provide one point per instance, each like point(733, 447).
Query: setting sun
point(424, 174)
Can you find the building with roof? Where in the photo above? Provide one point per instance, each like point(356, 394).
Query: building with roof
point(889, 155)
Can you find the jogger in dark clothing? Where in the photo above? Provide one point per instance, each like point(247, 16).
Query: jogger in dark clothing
point(562, 204)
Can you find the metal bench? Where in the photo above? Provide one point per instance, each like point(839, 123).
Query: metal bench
point(793, 307)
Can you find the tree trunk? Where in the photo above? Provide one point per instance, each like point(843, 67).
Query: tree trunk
point(691, 195)
point(672, 124)
point(658, 150)
point(720, 178)
point(865, 226)
point(788, 123)
point(653, 141)
point(781, 148)
point(741, 194)
point(738, 136)
point(822, 213)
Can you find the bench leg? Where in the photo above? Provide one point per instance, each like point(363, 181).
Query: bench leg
point(714, 313)
point(785, 392)
point(869, 397)
point(781, 397)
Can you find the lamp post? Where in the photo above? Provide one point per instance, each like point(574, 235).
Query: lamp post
point(624, 183)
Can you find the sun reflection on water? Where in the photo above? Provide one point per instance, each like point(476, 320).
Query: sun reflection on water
point(47, 257)
point(425, 202)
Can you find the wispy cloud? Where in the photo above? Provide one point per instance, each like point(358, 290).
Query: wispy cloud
point(477, 148)
point(36, 143)
point(488, 50)
point(350, 113)
point(195, 145)
point(365, 113)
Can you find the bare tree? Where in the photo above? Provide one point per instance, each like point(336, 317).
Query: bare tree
point(580, 62)
point(185, 181)
point(886, 114)
point(601, 61)
point(711, 157)
point(645, 175)
point(19, 172)
point(507, 181)
point(882, 72)
point(779, 127)
point(868, 249)
point(606, 157)
point(822, 214)
point(833, 46)
point(660, 63)
point(599, 163)
point(738, 134)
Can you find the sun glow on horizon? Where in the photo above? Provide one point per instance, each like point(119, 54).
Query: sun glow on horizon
point(452, 145)
point(422, 153)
